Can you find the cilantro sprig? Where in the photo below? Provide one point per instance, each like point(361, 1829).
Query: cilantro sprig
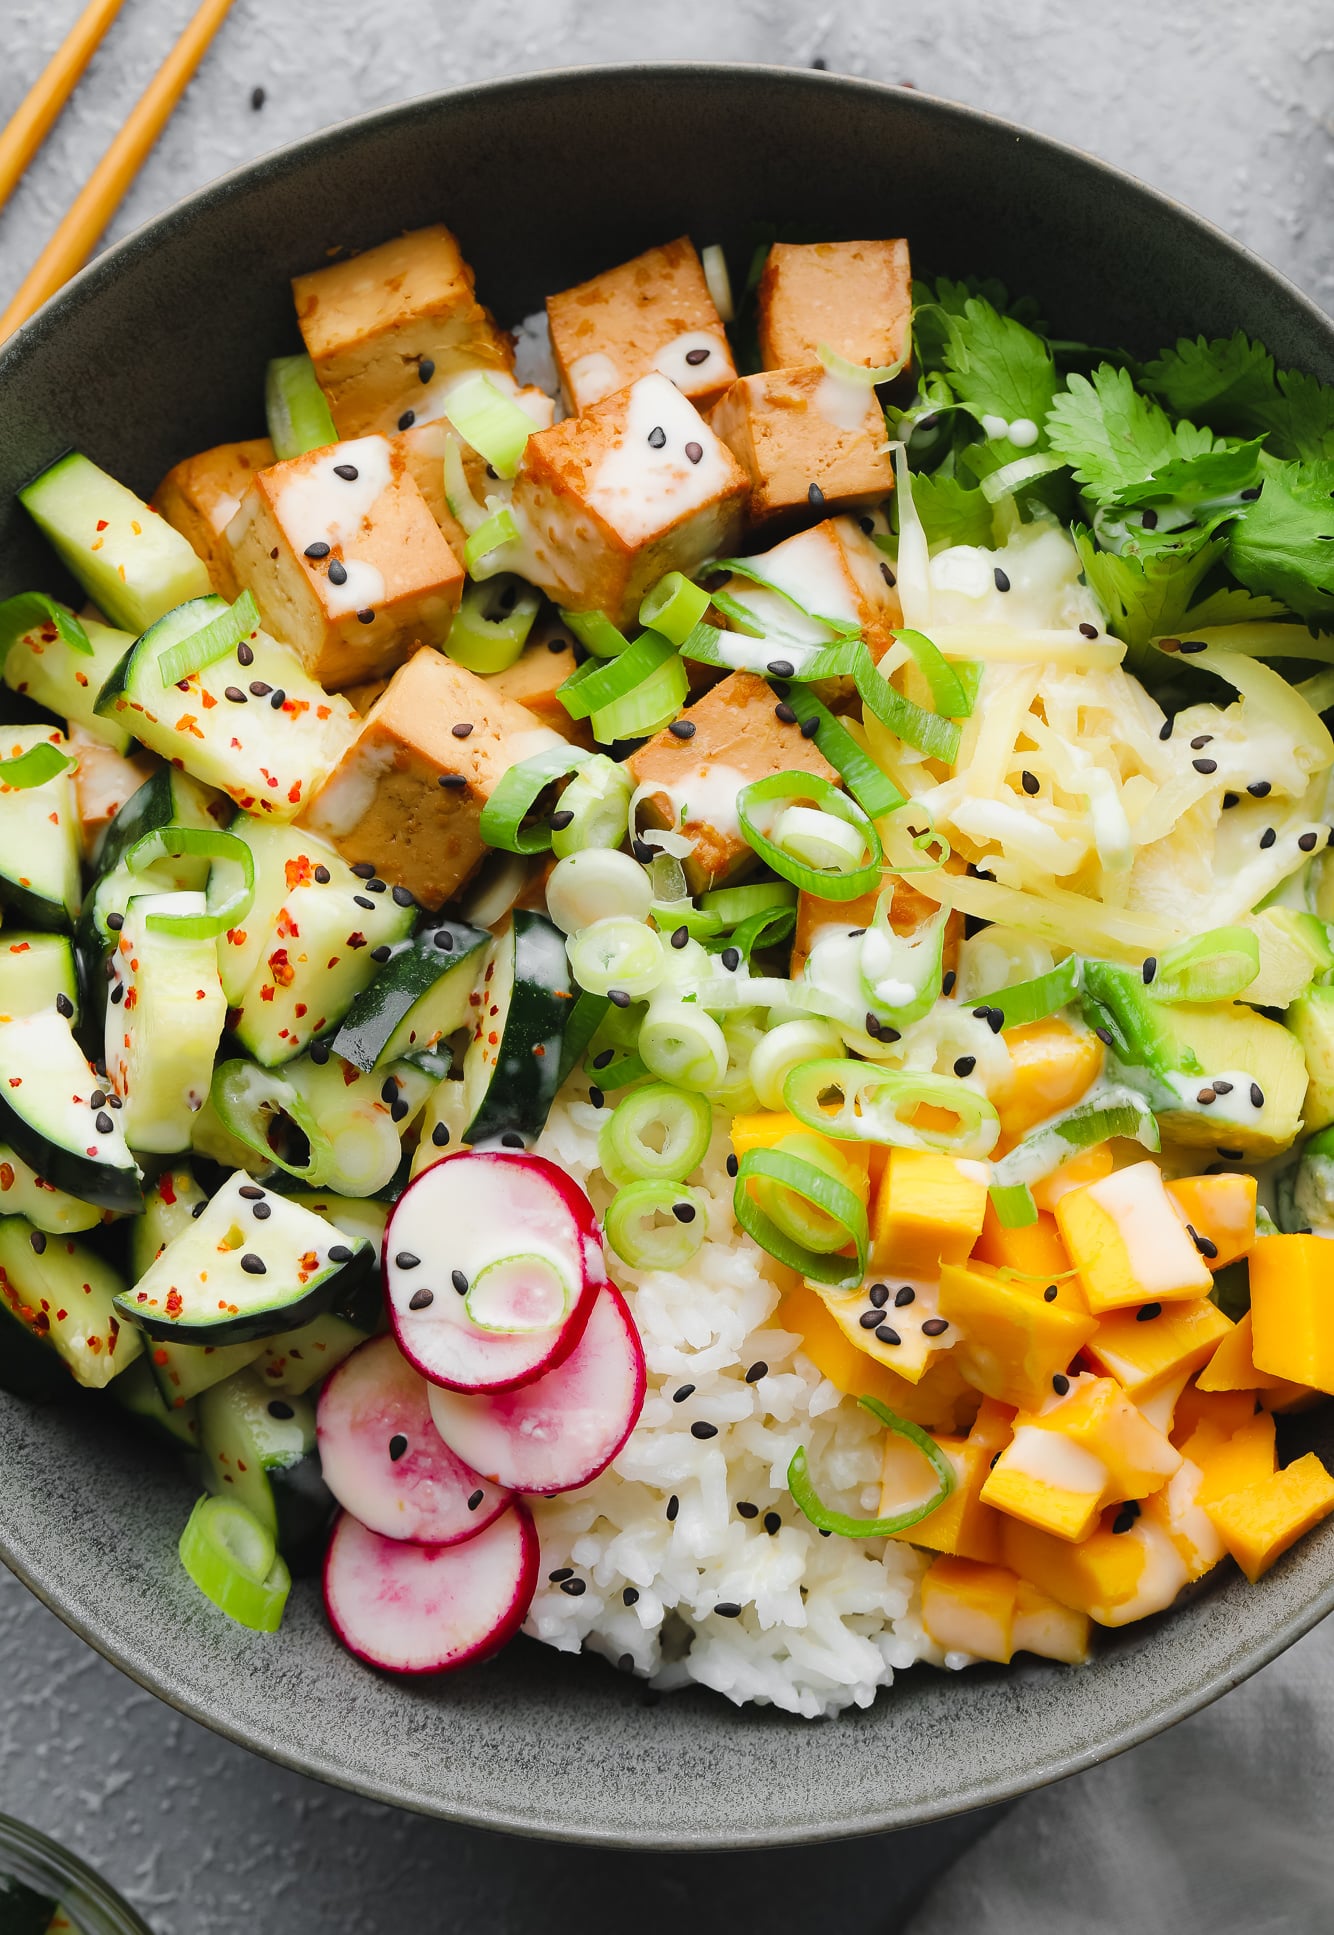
point(1233, 385)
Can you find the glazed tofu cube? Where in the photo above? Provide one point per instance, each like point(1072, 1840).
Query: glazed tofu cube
point(803, 438)
point(908, 910)
point(383, 326)
point(422, 447)
point(201, 496)
point(637, 486)
point(544, 664)
point(408, 794)
point(738, 738)
point(834, 570)
point(346, 561)
point(103, 780)
point(654, 313)
point(856, 297)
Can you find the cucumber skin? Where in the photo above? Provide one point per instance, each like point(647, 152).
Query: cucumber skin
point(92, 1182)
point(346, 1292)
point(521, 1091)
point(385, 1003)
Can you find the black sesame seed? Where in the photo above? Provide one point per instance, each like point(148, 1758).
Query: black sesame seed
point(363, 869)
point(1147, 1312)
point(1149, 519)
point(965, 1065)
point(279, 698)
point(696, 356)
point(561, 1572)
point(98, 1099)
point(260, 689)
point(1206, 1095)
point(234, 693)
point(630, 1596)
point(1104, 1036)
point(903, 1296)
point(684, 1212)
point(279, 1408)
point(869, 1319)
point(511, 1140)
point(1306, 841)
point(699, 1429)
point(595, 1095)
point(462, 730)
point(319, 1053)
point(398, 1444)
point(64, 1006)
point(680, 936)
point(682, 728)
point(366, 617)
point(784, 712)
point(257, 99)
point(1089, 631)
point(673, 1507)
point(682, 1392)
point(381, 954)
point(1049, 1294)
point(348, 472)
point(262, 1212)
point(118, 993)
point(1165, 729)
point(1194, 645)
point(746, 1510)
point(421, 1299)
point(602, 1060)
point(815, 496)
point(1124, 1519)
point(618, 997)
point(732, 1165)
point(363, 900)
point(337, 572)
point(1260, 789)
point(408, 418)
point(339, 1253)
point(935, 1326)
point(38, 1241)
point(996, 1020)
point(1205, 766)
point(1204, 1244)
point(254, 1266)
point(1231, 799)
point(1002, 581)
point(1060, 1384)
point(317, 550)
point(947, 982)
point(728, 1609)
point(782, 668)
point(1149, 969)
point(440, 1135)
point(887, 1335)
point(115, 922)
point(459, 1281)
point(694, 451)
point(642, 851)
point(772, 1523)
point(426, 369)
point(1268, 837)
point(809, 728)
point(731, 959)
point(879, 1295)
point(888, 576)
point(657, 437)
point(1030, 782)
point(452, 779)
point(403, 897)
point(443, 939)
point(406, 1260)
point(245, 654)
point(1200, 741)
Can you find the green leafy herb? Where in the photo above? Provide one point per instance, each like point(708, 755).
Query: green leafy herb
point(1117, 441)
point(1285, 544)
point(951, 511)
point(997, 366)
point(1233, 385)
point(1147, 597)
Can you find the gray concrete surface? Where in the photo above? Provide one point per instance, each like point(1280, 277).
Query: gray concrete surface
point(1224, 104)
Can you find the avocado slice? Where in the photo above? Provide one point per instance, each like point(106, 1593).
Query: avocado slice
point(1312, 1022)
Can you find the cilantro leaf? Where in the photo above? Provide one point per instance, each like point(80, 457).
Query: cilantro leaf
point(1203, 482)
point(951, 511)
point(934, 301)
point(1232, 384)
point(1285, 543)
point(996, 366)
point(1153, 597)
point(1115, 439)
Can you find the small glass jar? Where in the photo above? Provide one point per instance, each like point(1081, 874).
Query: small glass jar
point(89, 1905)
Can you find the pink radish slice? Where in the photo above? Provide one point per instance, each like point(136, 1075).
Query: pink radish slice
point(455, 1224)
point(556, 1434)
point(385, 1462)
point(429, 1608)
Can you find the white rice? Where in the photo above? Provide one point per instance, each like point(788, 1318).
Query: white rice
point(824, 1621)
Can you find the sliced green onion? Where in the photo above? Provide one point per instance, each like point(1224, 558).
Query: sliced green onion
point(681, 1043)
point(1215, 966)
point(596, 633)
point(848, 883)
point(860, 1102)
point(742, 620)
point(1044, 995)
point(674, 607)
point(594, 685)
point(658, 1134)
point(872, 789)
point(593, 884)
point(714, 264)
point(458, 492)
point(900, 974)
point(819, 840)
point(824, 1193)
point(948, 694)
point(651, 705)
point(787, 1047)
point(234, 1562)
point(33, 768)
point(31, 609)
point(621, 1072)
point(1013, 476)
point(746, 568)
point(735, 904)
point(516, 1295)
point(203, 843)
point(643, 1241)
point(211, 642)
point(768, 928)
point(263, 1110)
point(598, 801)
point(502, 818)
point(697, 921)
point(743, 1032)
point(1122, 1112)
point(487, 633)
point(618, 953)
point(581, 1024)
point(808, 1501)
point(919, 841)
point(841, 366)
point(296, 407)
point(490, 421)
point(1014, 1205)
point(497, 531)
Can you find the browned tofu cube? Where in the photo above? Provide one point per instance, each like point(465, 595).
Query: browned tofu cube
point(803, 438)
point(362, 697)
point(610, 500)
point(856, 297)
point(544, 664)
point(408, 794)
point(103, 781)
point(384, 327)
point(423, 451)
point(348, 565)
point(654, 313)
point(201, 496)
point(908, 910)
point(834, 570)
point(738, 738)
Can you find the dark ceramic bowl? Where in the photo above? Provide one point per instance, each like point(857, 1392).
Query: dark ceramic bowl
point(159, 350)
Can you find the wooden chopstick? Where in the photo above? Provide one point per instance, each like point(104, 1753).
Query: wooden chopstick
point(31, 124)
point(77, 235)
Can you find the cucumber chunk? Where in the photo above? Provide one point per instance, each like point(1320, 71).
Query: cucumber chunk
point(39, 837)
point(164, 1021)
point(130, 561)
point(66, 1292)
point(259, 1450)
point(67, 682)
point(48, 1112)
point(36, 970)
point(24, 1193)
point(296, 407)
point(417, 1001)
point(180, 1371)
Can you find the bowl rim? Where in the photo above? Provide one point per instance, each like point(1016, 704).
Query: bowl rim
point(84, 289)
point(79, 1889)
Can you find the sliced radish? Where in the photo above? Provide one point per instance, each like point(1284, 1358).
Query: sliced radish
point(429, 1608)
point(492, 1262)
point(560, 1432)
point(385, 1462)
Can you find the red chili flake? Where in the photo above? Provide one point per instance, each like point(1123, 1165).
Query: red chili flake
point(334, 960)
point(188, 723)
point(6, 1175)
point(349, 1074)
point(61, 1316)
point(300, 872)
point(16, 1081)
point(131, 1001)
point(294, 792)
point(323, 711)
point(20, 947)
point(206, 699)
point(175, 1303)
point(493, 1037)
point(268, 776)
point(281, 968)
point(166, 1189)
point(236, 936)
point(539, 1048)
point(356, 940)
point(300, 1010)
point(101, 524)
point(201, 994)
point(159, 1357)
point(266, 994)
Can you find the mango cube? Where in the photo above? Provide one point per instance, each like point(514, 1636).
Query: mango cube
point(1042, 1625)
point(969, 1608)
point(1179, 1511)
point(994, 1425)
point(1233, 1368)
point(1033, 1249)
point(1013, 1341)
point(941, 1401)
point(1292, 1309)
point(1047, 1480)
point(1223, 1411)
point(1128, 1242)
point(963, 1526)
point(900, 1338)
point(1259, 1524)
point(1114, 1577)
point(1051, 1066)
point(1233, 1461)
point(1221, 1210)
point(1146, 1356)
point(928, 1211)
point(1089, 1166)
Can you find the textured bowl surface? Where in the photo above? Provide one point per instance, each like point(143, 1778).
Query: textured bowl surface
point(159, 350)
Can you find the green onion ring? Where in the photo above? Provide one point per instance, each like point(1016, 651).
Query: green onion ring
point(596, 683)
point(34, 767)
point(502, 819)
point(211, 642)
point(826, 1193)
point(205, 843)
point(667, 1246)
point(872, 1098)
point(792, 786)
point(809, 1503)
point(28, 610)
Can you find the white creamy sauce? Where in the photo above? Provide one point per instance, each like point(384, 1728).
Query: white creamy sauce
point(344, 803)
point(1050, 1458)
point(746, 654)
point(1042, 567)
point(1233, 1105)
point(643, 488)
point(1187, 1520)
point(592, 377)
point(1159, 1405)
point(1023, 433)
point(707, 370)
point(318, 506)
point(223, 512)
point(1162, 1258)
point(843, 402)
point(811, 568)
point(434, 400)
point(994, 427)
point(706, 795)
point(1164, 1574)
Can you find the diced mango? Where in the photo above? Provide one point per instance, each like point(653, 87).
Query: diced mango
point(928, 1211)
point(1223, 1411)
point(1013, 1342)
point(1179, 1511)
point(1044, 1479)
point(1221, 1209)
point(1159, 1404)
point(1128, 1242)
point(1292, 1309)
point(942, 1401)
point(1259, 1524)
point(1232, 1462)
point(1042, 1625)
point(1051, 1065)
point(1034, 1249)
point(994, 1424)
point(1233, 1368)
point(969, 1608)
point(1089, 1166)
point(765, 1128)
point(907, 1349)
point(963, 1526)
point(1114, 1577)
point(1146, 1356)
